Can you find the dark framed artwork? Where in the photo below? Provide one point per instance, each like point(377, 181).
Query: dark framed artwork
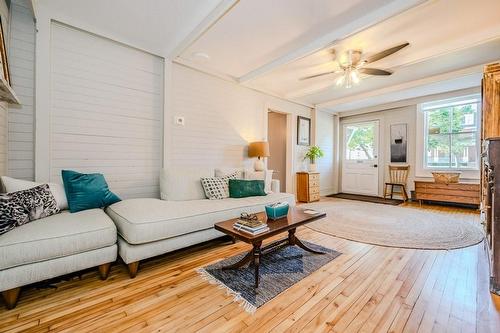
point(398, 143)
point(3, 51)
point(303, 131)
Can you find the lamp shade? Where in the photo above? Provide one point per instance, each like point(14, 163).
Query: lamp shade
point(258, 149)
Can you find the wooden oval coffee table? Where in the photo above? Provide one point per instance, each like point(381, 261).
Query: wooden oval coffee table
point(296, 217)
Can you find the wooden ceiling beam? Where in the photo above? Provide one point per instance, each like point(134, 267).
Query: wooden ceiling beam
point(210, 20)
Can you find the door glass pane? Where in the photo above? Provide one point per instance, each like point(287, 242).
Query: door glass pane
point(438, 121)
point(359, 142)
point(464, 150)
point(438, 150)
point(464, 118)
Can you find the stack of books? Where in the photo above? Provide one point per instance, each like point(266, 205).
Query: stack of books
point(251, 226)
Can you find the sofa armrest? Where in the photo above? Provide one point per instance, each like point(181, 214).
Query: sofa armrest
point(275, 186)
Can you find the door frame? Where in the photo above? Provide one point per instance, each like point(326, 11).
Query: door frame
point(289, 146)
point(381, 157)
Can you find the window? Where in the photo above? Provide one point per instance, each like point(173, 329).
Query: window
point(451, 129)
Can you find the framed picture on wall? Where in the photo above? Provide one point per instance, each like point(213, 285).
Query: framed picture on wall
point(398, 143)
point(303, 131)
point(3, 51)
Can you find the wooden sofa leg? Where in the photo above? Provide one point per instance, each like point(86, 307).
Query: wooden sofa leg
point(104, 270)
point(133, 267)
point(10, 297)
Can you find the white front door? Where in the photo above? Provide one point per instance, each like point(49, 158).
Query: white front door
point(360, 158)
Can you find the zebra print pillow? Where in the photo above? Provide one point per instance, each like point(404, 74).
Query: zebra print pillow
point(21, 207)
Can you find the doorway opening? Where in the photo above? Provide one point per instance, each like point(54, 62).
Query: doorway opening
point(360, 160)
point(277, 133)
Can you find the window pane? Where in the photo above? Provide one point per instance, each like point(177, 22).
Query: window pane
point(438, 121)
point(464, 150)
point(359, 142)
point(438, 151)
point(464, 118)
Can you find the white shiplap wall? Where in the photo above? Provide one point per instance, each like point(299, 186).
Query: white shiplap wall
point(221, 118)
point(22, 70)
point(106, 111)
point(324, 139)
point(4, 13)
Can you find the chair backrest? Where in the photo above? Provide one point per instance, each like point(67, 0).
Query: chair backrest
point(399, 173)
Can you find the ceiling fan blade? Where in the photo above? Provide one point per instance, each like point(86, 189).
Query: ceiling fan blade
point(374, 71)
point(385, 53)
point(321, 74)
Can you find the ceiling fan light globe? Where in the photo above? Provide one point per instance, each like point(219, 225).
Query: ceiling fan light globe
point(340, 81)
point(355, 77)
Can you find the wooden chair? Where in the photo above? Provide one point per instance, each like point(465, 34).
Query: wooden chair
point(398, 176)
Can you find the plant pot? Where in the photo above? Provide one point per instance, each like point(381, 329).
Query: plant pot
point(312, 167)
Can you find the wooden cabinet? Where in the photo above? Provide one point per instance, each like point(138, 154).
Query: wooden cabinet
point(490, 118)
point(490, 164)
point(464, 193)
point(307, 186)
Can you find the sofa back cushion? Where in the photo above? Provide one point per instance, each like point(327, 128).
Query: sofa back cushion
point(179, 184)
point(14, 185)
point(222, 172)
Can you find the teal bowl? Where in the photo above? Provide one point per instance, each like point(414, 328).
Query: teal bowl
point(275, 213)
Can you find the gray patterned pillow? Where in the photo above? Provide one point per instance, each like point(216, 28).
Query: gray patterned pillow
point(217, 187)
point(21, 207)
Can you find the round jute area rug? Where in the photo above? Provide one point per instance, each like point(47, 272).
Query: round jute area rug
point(397, 226)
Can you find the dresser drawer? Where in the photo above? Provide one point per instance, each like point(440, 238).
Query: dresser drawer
point(314, 176)
point(313, 183)
point(314, 197)
point(313, 189)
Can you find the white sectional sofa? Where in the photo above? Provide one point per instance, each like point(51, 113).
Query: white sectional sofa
point(53, 246)
point(150, 227)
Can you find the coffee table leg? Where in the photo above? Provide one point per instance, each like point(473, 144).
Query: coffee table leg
point(256, 261)
point(245, 260)
point(291, 236)
point(292, 240)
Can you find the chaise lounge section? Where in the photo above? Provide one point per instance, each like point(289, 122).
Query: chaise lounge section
point(150, 227)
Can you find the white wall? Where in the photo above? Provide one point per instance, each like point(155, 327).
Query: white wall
point(324, 139)
point(21, 156)
point(4, 13)
point(221, 118)
point(99, 108)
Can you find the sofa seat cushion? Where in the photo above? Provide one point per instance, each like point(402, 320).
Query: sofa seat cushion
point(146, 220)
point(56, 236)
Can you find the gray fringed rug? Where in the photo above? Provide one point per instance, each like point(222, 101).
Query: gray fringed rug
point(279, 270)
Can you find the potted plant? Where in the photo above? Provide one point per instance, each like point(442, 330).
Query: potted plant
point(312, 154)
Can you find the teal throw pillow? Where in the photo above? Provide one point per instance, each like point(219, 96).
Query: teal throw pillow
point(87, 191)
point(241, 188)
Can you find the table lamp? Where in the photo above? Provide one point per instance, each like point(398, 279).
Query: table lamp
point(258, 149)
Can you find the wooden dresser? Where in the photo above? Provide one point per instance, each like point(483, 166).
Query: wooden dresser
point(464, 193)
point(307, 186)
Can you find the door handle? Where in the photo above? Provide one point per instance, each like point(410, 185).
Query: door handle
point(375, 166)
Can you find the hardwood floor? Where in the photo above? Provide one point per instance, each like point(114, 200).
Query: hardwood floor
point(367, 289)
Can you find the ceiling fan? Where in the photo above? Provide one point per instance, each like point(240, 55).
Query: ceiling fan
point(354, 64)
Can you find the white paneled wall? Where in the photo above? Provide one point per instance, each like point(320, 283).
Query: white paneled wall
point(324, 139)
point(3, 137)
point(4, 13)
point(220, 119)
point(22, 70)
point(106, 111)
